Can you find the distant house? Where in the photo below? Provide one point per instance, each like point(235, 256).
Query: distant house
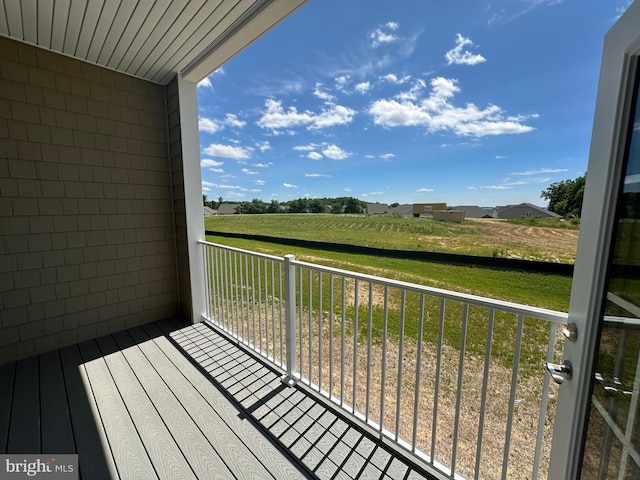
point(404, 209)
point(208, 211)
point(227, 208)
point(377, 208)
point(472, 211)
point(523, 210)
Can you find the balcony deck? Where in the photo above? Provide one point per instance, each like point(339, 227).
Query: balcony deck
point(169, 400)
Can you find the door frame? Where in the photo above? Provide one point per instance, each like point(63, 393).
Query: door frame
point(615, 87)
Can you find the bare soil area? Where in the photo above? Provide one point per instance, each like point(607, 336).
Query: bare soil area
point(559, 244)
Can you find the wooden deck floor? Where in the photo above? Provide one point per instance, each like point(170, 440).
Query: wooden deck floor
point(175, 401)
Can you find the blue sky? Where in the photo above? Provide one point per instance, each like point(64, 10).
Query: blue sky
point(464, 102)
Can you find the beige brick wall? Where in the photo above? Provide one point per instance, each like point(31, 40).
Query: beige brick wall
point(87, 241)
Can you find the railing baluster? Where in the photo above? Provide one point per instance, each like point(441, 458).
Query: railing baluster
point(383, 379)
point(403, 300)
point(206, 270)
point(369, 338)
point(320, 333)
point(331, 334)
point(485, 385)
point(416, 397)
point(290, 317)
point(342, 341)
point(512, 396)
point(253, 301)
point(300, 320)
point(260, 304)
point(463, 342)
point(273, 312)
point(281, 302)
point(356, 295)
point(542, 416)
point(310, 335)
point(436, 389)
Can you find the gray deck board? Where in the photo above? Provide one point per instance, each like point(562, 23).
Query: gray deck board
point(186, 418)
point(169, 400)
point(57, 432)
point(24, 432)
point(164, 453)
point(6, 398)
point(269, 456)
point(95, 458)
point(128, 450)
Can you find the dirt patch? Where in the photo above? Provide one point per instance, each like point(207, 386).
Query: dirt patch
point(558, 243)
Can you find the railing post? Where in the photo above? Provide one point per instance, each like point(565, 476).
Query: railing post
point(290, 319)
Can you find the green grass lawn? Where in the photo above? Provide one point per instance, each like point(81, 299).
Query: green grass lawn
point(402, 233)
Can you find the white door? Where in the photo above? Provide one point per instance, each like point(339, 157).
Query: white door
point(597, 429)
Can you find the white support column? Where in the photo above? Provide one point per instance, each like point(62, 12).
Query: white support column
point(187, 94)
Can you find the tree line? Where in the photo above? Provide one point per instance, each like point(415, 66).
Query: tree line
point(349, 205)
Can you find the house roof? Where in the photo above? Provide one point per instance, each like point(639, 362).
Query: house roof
point(502, 210)
point(149, 40)
point(227, 208)
point(472, 211)
point(377, 208)
point(209, 210)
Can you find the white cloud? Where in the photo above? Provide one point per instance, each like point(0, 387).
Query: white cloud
point(260, 182)
point(314, 155)
point(275, 117)
point(496, 187)
point(205, 82)
point(216, 170)
point(263, 146)
point(341, 81)
point(322, 95)
point(335, 153)
point(500, 157)
point(260, 165)
point(541, 170)
point(459, 57)
point(414, 93)
point(393, 78)
point(379, 36)
point(387, 155)
point(316, 175)
point(210, 125)
point(425, 190)
point(289, 185)
point(363, 87)
point(348, 189)
point(207, 162)
point(305, 148)
point(227, 151)
point(437, 113)
point(246, 171)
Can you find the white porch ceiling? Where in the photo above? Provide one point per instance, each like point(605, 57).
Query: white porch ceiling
point(150, 39)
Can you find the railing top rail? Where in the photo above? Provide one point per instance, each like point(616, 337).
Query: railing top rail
point(519, 309)
point(240, 250)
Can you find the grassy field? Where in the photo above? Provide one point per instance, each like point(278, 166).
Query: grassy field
point(539, 290)
point(482, 237)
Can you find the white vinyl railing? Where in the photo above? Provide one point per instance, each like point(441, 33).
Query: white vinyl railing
point(455, 379)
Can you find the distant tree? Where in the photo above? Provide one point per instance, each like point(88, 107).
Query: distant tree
point(565, 198)
point(300, 205)
point(394, 205)
point(352, 205)
point(204, 200)
point(274, 206)
point(316, 206)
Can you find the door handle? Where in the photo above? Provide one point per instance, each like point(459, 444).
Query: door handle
point(560, 371)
